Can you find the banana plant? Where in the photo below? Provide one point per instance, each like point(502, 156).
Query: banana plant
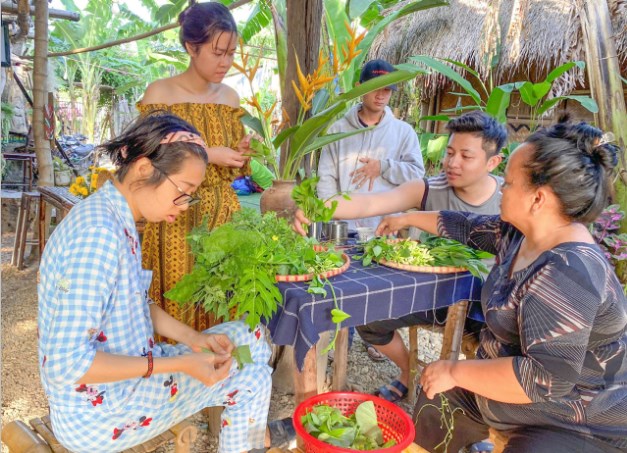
point(497, 100)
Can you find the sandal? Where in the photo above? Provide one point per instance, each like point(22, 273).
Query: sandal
point(374, 355)
point(390, 395)
point(282, 433)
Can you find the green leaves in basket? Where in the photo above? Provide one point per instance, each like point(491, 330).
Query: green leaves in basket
point(429, 251)
point(359, 431)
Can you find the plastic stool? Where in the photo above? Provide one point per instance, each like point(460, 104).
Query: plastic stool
point(21, 232)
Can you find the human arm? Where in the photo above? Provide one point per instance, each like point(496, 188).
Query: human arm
point(492, 378)
point(557, 306)
point(210, 362)
point(74, 305)
point(426, 221)
point(401, 198)
point(481, 232)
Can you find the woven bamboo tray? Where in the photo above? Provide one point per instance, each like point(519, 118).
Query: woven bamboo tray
point(425, 269)
point(308, 277)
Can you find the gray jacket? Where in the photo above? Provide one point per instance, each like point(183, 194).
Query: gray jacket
point(392, 141)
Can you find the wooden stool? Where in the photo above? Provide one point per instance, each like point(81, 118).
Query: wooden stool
point(21, 231)
point(28, 162)
point(19, 438)
point(451, 343)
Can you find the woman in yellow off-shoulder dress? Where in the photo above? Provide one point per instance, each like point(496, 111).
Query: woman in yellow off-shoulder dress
point(209, 35)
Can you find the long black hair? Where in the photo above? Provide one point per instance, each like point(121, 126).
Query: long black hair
point(142, 138)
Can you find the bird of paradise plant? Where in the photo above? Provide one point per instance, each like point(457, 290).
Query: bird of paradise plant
point(319, 107)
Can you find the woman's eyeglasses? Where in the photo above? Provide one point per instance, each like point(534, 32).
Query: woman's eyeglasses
point(184, 198)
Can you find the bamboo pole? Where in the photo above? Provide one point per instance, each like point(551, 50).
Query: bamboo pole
point(156, 31)
point(607, 89)
point(52, 13)
point(40, 94)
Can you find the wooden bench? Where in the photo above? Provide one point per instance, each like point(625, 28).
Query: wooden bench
point(19, 438)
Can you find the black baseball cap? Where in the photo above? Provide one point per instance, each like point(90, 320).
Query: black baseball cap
point(376, 68)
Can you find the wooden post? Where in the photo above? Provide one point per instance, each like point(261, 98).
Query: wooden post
point(40, 93)
point(607, 89)
point(304, 19)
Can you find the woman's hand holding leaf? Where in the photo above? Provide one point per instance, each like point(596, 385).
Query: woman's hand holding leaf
point(223, 156)
point(208, 367)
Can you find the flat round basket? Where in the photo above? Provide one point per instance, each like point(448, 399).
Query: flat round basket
point(308, 277)
point(425, 269)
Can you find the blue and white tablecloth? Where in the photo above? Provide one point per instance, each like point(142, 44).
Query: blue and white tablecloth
point(367, 294)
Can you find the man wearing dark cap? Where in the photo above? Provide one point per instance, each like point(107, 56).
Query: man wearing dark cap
point(376, 160)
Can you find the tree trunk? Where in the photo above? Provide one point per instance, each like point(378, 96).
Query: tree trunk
point(304, 19)
point(40, 94)
point(606, 86)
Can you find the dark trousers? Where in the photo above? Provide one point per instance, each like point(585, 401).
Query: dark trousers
point(469, 427)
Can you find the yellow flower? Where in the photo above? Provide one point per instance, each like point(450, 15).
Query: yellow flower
point(275, 238)
point(80, 180)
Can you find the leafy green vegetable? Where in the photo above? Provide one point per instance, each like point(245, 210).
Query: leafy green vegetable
point(359, 431)
point(430, 251)
point(241, 354)
point(315, 209)
point(236, 263)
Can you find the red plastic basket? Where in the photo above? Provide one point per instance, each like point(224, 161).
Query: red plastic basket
point(393, 421)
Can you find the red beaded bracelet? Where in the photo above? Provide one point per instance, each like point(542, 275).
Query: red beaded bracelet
point(149, 372)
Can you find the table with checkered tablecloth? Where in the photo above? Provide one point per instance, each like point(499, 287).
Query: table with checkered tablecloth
point(367, 294)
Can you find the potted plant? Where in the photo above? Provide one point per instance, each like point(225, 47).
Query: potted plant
point(283, 146)
point(62, 172)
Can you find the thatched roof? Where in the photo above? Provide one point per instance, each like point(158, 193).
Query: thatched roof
point(536, 36)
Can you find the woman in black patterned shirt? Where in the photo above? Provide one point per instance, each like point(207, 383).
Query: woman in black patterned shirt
point(553, 368)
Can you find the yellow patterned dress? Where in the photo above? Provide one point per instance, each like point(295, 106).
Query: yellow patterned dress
point(165, 250)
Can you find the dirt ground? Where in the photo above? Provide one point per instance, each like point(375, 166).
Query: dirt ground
point(22, 395)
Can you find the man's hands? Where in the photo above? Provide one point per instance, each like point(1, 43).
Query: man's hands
point(390, 225)
point(368, 173)
point(209, 367)
point(299, 220)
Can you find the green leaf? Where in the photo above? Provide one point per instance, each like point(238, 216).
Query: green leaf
point(357, 7)
point(444, 69)
point(258, 19)
point(586, 102)
point(283, 135)
point(324, 140)
point(560, 70)
point(253, 122)
point(242, 355)
point(498, 103)
point(436, 147)
point(337, 316)
point(434, 118)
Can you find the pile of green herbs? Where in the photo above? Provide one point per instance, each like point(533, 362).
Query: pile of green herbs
point(314, 208)
point(429, 251)
point(236, 264)
point(359, 431)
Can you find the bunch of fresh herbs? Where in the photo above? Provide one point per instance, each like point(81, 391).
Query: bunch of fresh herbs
point(359, 431)
point(430, 251)
point(236, 264)
point(314, 208)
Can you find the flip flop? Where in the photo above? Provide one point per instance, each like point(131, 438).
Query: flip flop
point(374, 355)
point(483, 446)
point(282, 433)
point(390, 395)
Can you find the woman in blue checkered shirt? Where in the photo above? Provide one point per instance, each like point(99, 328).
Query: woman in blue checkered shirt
point(109, 385)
